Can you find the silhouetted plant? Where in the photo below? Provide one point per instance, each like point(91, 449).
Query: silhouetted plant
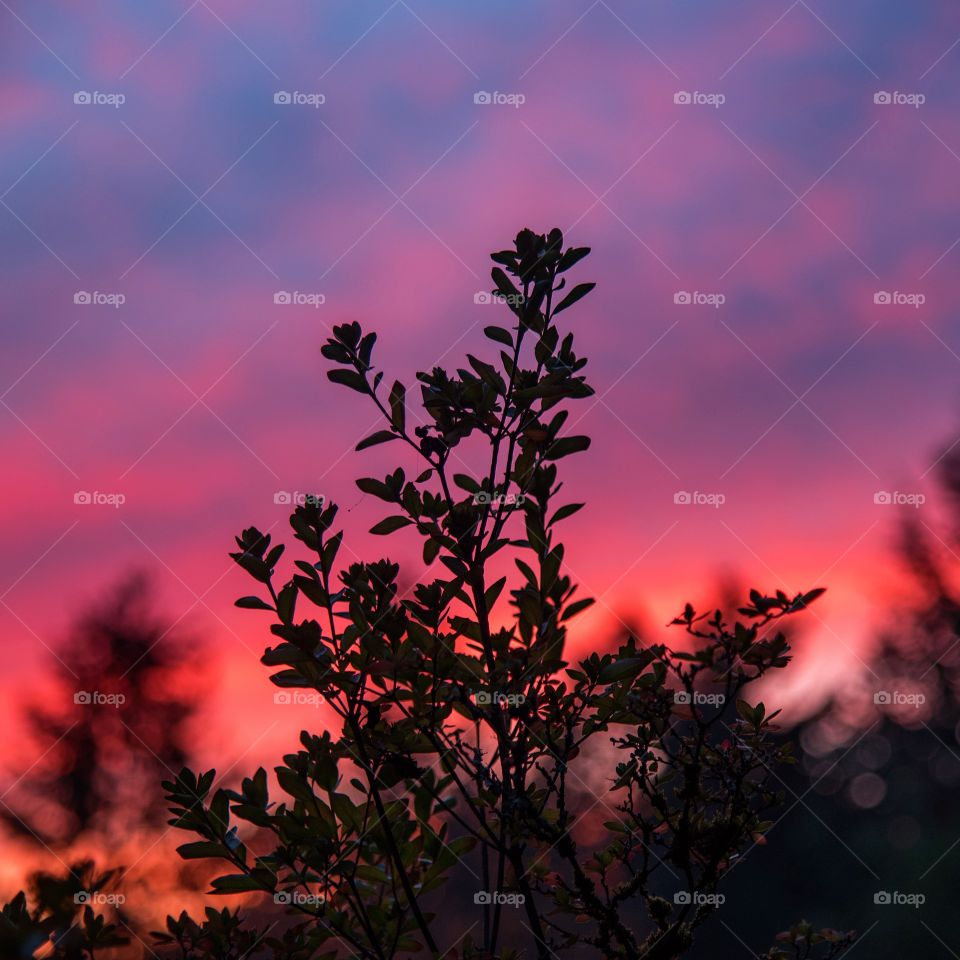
point(461, 732)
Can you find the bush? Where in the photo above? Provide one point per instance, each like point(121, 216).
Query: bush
point(461, 732)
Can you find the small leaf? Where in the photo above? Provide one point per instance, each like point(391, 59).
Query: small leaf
point(430, 550)
point(348, 378)
point(286, 602)
point(745, 711)
point(398, 408)
point(499, 334)
point(490, 597)
point(235, 883)
point(809, 597)
point(201, 849)
point(567, 511)
point(465, 482)
point(389, 525)
point(252, 603)
point(573, 256)
point(576, 608)
point(381, 436)
point(293, 784)
point(577, 293)
point(329, 554)
point(565, 446)
point(326, 773)
point(506, 287)
point(377, 488)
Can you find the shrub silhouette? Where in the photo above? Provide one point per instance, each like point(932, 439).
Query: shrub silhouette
point(450, 811)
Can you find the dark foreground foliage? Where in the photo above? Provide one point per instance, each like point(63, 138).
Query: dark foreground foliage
point(476, 794)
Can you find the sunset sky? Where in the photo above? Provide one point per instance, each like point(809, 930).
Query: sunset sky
point(783, 194)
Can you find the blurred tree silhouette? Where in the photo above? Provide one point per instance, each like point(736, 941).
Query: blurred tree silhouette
point(115, 720)
point(874, 796)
